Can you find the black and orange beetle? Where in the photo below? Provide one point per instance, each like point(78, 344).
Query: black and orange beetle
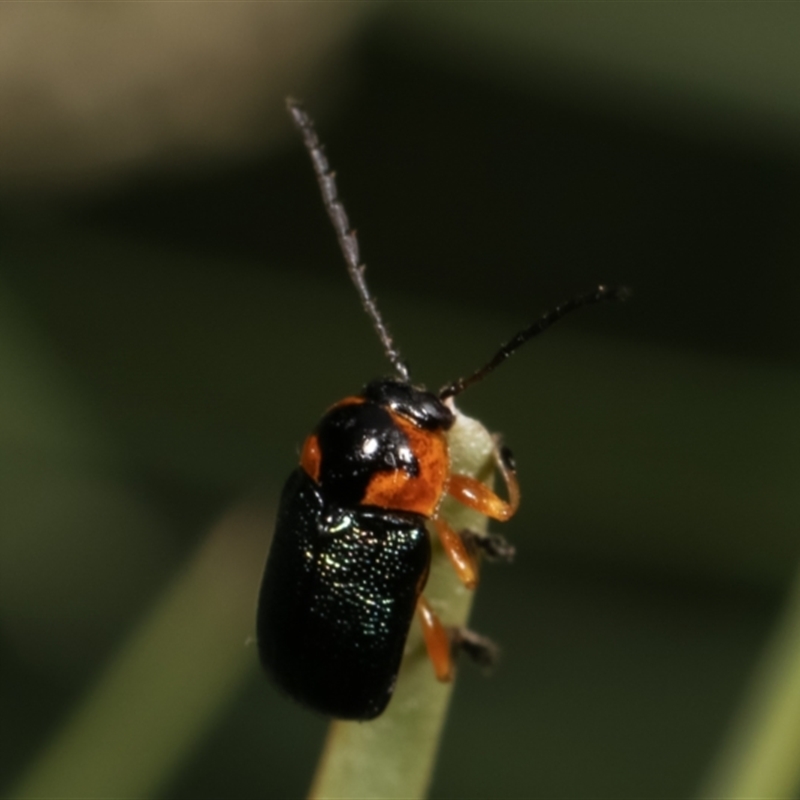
point(351, 550)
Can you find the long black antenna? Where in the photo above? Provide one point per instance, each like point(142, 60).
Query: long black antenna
point(598, 295)
point(346, 236)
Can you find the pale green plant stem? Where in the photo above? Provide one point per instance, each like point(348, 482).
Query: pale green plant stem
point(394, 755)
point(760, 757)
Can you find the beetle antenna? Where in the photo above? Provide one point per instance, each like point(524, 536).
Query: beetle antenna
point(598, 295)
point(344, 233)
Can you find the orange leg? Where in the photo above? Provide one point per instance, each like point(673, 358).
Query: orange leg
point(437, 641)
point(456, 550)
point(476, 495)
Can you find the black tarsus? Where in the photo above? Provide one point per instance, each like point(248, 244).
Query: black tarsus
point(484, 652)
point(344, 233)
point(492, 545)
point(598, 295)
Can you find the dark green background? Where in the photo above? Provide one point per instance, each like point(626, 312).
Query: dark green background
point(205, 317)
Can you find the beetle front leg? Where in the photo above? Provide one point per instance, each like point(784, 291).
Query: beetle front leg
point(479, 497)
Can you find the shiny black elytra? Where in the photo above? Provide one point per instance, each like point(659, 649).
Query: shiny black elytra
point(351, 551)
point(343, 578)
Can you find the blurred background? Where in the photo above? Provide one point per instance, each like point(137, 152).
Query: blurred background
point(175, 315)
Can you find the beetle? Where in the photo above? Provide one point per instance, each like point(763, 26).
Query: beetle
point(351, 551)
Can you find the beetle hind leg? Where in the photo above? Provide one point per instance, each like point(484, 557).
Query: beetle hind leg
point(445, 644)
point(437, 641)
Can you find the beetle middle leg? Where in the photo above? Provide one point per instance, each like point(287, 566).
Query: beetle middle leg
point(491, 545)
point(458, 551)
point(463, 549)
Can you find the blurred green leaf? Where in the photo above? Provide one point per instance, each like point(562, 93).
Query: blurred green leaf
point(170, 680)
point(760, 756)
